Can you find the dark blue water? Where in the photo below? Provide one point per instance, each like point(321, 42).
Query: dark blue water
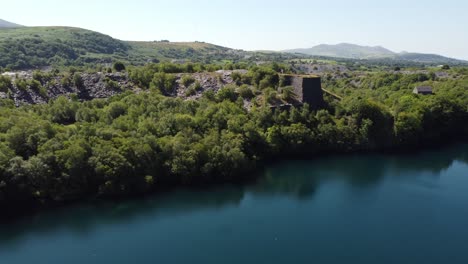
point(350, 209)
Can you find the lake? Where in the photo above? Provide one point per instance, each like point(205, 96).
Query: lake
point(410, 208)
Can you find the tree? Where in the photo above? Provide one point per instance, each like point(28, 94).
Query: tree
point(6, 154)
point(270, 96)
point(119, 66)
point(236, 77)
point(63, 111)
point(163, 82)
point(376, 120)
point(228, 92)
point(408, 128)
point(246, 92)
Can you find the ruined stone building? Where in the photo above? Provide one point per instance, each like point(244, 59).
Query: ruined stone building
point(308, 89)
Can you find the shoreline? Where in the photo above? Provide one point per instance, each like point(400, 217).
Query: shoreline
point(15, 213)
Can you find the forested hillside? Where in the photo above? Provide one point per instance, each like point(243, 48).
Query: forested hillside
point(23, 48)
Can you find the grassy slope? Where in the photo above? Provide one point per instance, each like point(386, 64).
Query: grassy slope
point(195, 51)
point(32, 47)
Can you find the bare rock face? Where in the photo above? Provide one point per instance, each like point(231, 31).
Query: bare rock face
point(105, 85)
point(94, 85)
point(208, 81)
point(100, 85)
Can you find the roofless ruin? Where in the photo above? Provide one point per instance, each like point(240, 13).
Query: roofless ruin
point(308, 89)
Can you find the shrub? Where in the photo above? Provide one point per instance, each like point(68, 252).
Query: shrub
point(66, 80)
point(111, 85)
point(237, 77)
point(42, 77)
point(5, 83)
point(163, 82)
point(21, 84)
point(228, 92)
point(187, 80)
point(78, 80)
point(43, 91)
point(35, 85)
point(190, 92)
point(245, 92)
point(119, 66)
point(270, 95)
point(197, 86)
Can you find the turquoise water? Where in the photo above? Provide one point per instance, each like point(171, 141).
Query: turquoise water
point(345, 209)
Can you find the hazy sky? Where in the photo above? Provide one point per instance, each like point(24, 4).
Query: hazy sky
point(410, 25)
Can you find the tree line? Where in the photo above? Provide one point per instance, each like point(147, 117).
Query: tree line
point(131, 144)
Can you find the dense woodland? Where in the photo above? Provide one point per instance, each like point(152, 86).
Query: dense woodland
point(131, 144)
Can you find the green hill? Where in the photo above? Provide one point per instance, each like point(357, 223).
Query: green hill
point(34, 47)
point(192, 51)
point(31, 47)
point(37, 47)
point(427, 58)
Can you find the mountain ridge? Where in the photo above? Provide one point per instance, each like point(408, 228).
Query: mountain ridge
point(7, 24)
point(37, 47)
point(345, 50)
point(354, 51)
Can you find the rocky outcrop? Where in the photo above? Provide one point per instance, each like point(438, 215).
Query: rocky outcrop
point(208, 82)
point(105, 85)
point(93, 85)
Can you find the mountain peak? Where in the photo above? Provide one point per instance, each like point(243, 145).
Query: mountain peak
point(7, 24)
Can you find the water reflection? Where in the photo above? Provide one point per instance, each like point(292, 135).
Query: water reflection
point(295, 179)
point(301, 178)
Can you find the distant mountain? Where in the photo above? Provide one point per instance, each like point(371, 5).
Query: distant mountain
point(346, 50)
point(352, 51)
point(6, 24)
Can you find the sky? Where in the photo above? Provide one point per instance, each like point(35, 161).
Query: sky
point(426, 26)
